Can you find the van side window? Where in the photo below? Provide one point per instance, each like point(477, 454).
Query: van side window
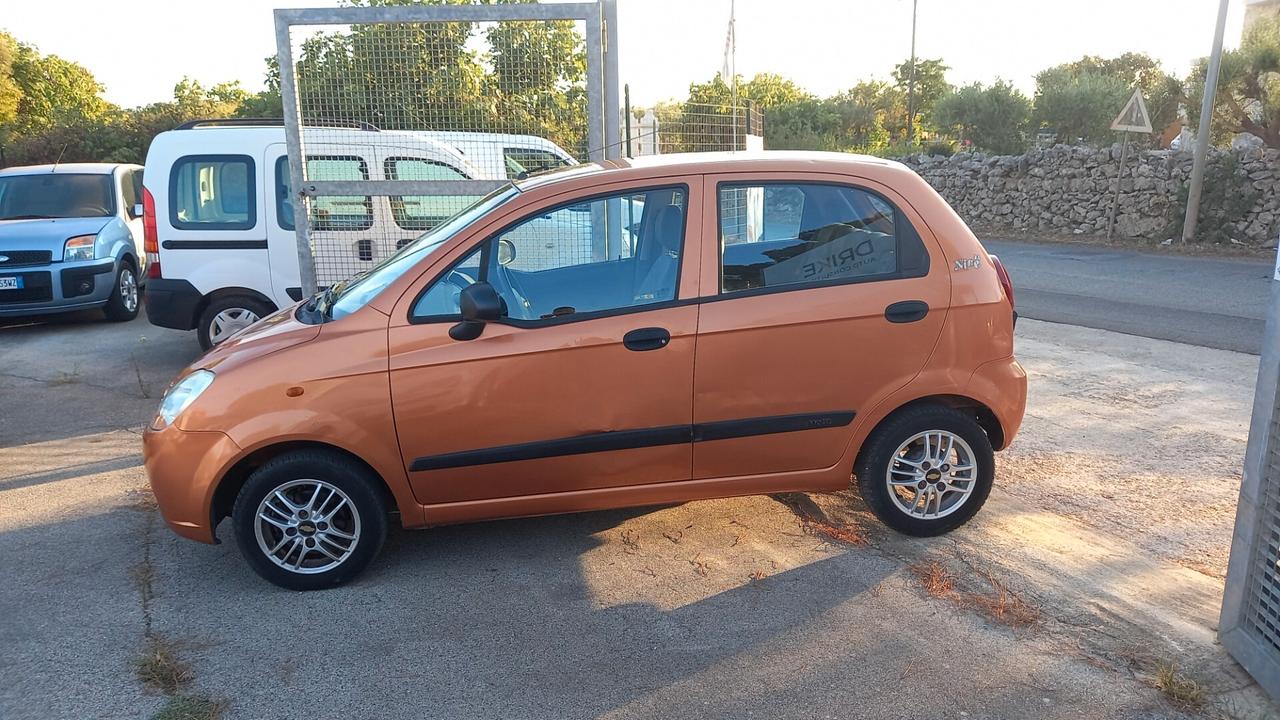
point(523, 162)
point(330, 212)
point(131, 188)
point(423, 212)
point(775, 234)
point(213, 192)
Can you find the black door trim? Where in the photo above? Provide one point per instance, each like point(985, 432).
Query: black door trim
point(632, 439)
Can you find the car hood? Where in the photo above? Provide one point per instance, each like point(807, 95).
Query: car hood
point(46, 234)
point(269, 335)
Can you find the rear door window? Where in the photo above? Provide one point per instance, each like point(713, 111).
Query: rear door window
point(423, 212)
point(795, 234)
point(328, 212)
point(213, 192)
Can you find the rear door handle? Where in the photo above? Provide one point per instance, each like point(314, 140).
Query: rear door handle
point(650, 338)
point(906, 311)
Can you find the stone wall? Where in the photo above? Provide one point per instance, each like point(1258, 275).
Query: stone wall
point(1070, 189)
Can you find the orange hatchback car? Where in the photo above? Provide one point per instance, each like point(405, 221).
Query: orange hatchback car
point(627, 333)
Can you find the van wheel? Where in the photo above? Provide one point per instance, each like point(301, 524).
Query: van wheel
point(227, 316)
point(927, 470)
point(310, 519)
point(123, 304)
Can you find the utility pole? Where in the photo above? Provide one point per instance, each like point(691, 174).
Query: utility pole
point(911, 77)
point(1202, 134)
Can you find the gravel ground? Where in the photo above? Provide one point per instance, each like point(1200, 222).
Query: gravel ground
point(1057, 602)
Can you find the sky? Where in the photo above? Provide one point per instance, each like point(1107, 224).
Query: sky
point(140, 49)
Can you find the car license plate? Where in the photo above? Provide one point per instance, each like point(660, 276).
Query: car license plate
point(10, 283)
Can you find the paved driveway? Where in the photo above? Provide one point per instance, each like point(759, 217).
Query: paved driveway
point(798, 606)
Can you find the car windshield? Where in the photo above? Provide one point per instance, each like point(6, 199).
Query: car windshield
point(350, 295)
point(55, 195)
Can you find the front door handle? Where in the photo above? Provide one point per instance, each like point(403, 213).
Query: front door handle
point(651, 338)
point(906, 311)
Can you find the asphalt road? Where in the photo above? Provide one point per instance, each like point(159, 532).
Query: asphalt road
point(1212, 302)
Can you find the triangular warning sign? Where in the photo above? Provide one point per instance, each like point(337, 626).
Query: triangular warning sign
point(1134, 117)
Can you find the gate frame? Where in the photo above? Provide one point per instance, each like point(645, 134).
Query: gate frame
point(1252, 652)
point(600, 18)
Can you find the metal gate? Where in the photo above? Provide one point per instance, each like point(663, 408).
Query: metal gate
point(1250, 624)
point(398, 117)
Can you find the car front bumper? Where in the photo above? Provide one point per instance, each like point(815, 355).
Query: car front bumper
point(184, 468)
point(58, 287)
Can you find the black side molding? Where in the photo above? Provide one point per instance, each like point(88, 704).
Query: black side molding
point(597, 442)
point(214, 244)
point(632, 439)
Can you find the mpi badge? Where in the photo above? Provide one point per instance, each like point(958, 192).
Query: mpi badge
point(968, 263)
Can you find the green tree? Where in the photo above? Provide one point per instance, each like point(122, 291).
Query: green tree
point(930, 85)
point(1078, 100)
point(10, 92)
point(872, 113)
point(1079, 105)
point(1248, 97)
point(992, 118)
point(53, 90)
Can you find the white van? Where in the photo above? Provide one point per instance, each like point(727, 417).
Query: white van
point(218, 216)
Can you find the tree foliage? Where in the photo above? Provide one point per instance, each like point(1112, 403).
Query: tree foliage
point(993, 117)
point(1078, 100)
point(1248, 97)
point(930, 86)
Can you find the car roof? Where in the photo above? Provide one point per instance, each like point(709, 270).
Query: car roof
point(719, 162)
point(66, 169)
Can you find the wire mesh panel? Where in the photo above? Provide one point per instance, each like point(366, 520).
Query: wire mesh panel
point(400, 117)
point(1250, 623)
point(697, 127)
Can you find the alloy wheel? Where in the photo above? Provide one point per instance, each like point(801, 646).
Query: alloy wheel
point(932, 474)
point(307, 526)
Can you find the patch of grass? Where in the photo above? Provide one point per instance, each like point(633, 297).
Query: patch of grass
point(65, 378)
point(160, 669)
point(191, 707)
point(1182, 691)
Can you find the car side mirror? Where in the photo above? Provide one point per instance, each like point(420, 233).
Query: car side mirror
point(478, 304)
point(137, 211)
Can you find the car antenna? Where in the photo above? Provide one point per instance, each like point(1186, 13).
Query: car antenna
point(60, 154)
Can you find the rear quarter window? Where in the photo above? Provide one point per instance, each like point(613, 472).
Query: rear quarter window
point(213, 192)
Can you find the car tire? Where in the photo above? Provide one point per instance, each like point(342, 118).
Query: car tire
point(226, 316)
point(310, 519)
point(926, 470)
point(126, 295)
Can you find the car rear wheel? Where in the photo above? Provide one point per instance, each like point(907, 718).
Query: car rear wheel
point(227, 316)
point(310, 519)
point(926, 470)
point(123, 304)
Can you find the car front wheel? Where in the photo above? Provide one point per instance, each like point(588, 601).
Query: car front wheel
point(310, 519)
point(122, 306)
point(926, 470)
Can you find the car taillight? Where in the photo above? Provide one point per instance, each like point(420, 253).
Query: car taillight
point(150, 242)
point(1005, 282)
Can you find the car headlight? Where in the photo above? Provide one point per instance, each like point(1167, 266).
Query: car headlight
point(181, 396)
point(79, 248)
